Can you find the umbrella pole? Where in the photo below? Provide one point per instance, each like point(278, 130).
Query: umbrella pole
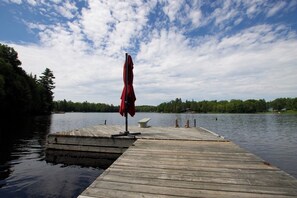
point(126, 96)
point(126, 123)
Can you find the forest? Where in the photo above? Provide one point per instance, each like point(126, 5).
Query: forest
point(22, 94)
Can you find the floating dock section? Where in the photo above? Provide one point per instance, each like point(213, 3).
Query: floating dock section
point(174, 162)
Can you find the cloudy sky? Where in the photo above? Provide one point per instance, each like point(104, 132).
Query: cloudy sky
point(194, 50)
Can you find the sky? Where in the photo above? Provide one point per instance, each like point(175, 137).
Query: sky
point(193, 50)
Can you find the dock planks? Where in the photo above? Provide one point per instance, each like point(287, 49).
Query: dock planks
point(105, 131)
point(190, 168)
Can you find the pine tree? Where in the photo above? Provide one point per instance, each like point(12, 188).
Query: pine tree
point(47, 85)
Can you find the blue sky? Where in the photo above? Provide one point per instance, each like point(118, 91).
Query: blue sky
point(194, 50)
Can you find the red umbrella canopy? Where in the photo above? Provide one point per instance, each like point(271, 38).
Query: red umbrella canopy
point(128, 96)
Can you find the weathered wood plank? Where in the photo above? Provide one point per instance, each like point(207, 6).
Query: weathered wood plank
point(171, 191)
point(219, 172)
point(272, 180)
point(115, 193)
point(190, 184)
point(187, 145)
point(194, 157)
point(194, 163)
point(258, 174)
point(189, 154)
point(82, 196)
point(204, 156)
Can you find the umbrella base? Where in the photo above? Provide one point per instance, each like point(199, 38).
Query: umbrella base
point(125, 133)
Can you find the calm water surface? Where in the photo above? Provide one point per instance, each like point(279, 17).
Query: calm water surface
point(25, 173)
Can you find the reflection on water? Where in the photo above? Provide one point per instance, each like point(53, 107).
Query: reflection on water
point(23, 169)
point(21, 140)
point(25, 173)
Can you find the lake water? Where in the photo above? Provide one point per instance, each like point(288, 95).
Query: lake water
point(25, 173)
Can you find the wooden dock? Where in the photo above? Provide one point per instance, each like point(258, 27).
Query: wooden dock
point(179, 162)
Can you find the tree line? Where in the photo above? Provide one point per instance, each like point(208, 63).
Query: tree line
point(232, 106)
point(22, 94)
point(178, 106)
point(69, 106)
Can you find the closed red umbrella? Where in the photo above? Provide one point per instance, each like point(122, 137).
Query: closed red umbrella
point(128, 96)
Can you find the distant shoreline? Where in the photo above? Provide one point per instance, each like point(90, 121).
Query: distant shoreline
point(290, 112)
point(279, 105)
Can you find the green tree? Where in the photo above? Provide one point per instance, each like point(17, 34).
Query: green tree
point(46, 83)
point(279, 104)
point(261, 106)
point(15, 92)
point(9, 55)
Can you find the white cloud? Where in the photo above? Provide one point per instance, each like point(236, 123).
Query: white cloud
point(244, 65)
point(15, 1)
point(86, 53)
point(37, 26)
point(67, 9)
point(183, 12)
point(276, 8)
point(32, 2)
point(171, 9)
point(195, 16)
point(94, 22)
point(253, 7)
point(56, 1)
point(225, 15)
